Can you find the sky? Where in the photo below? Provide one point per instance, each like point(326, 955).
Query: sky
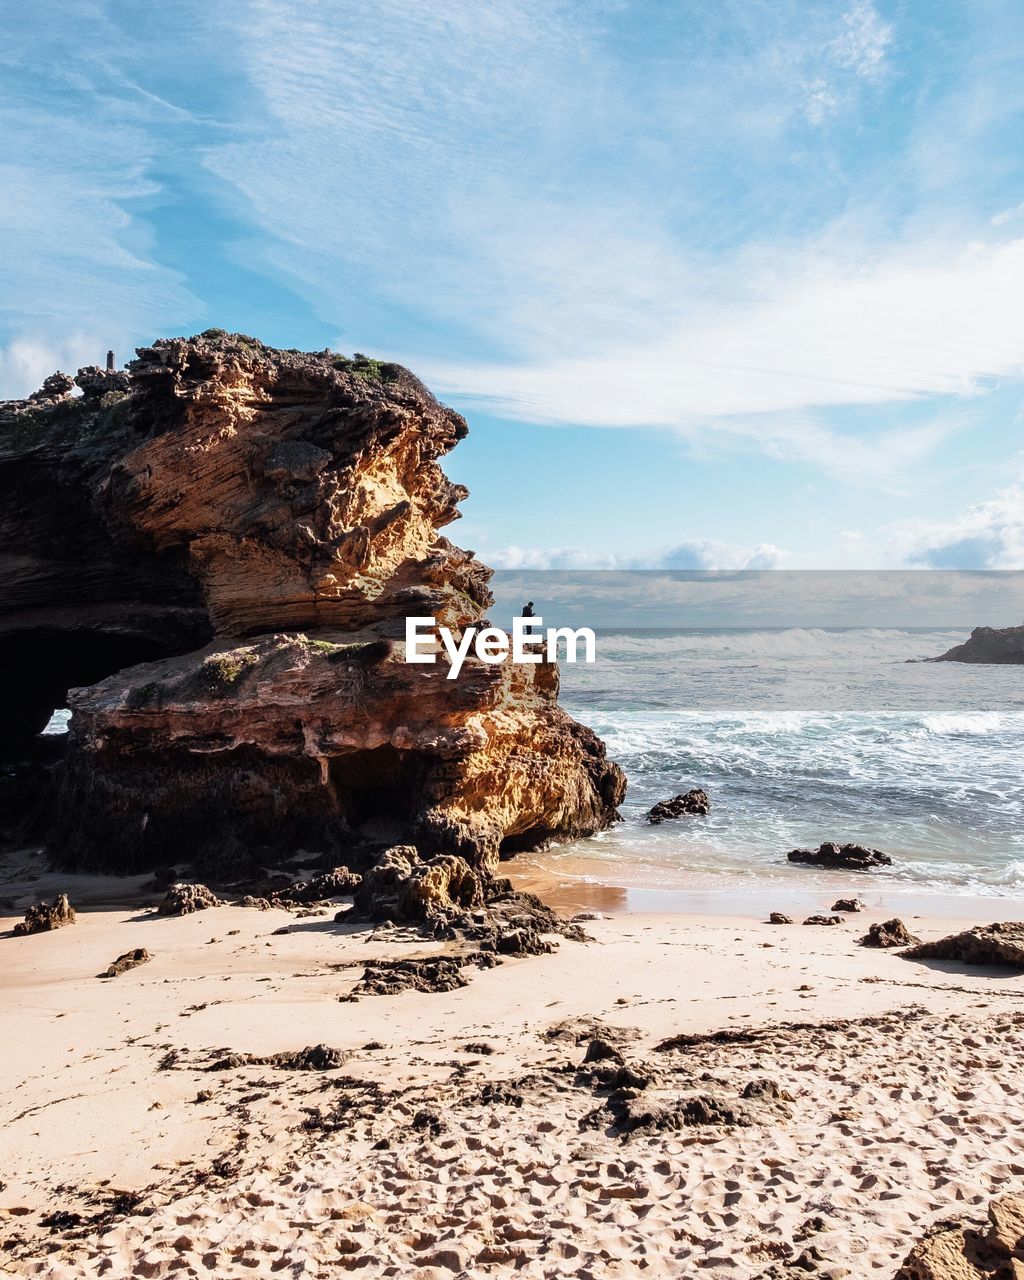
point(717, 284)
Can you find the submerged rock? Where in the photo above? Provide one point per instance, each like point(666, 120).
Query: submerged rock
point(183, 899)
point(999, 646)
point(47, 915)
point(1001, 943)
point(695, 801)
point(841, 857)
point(888, 933)
point(968, 1251)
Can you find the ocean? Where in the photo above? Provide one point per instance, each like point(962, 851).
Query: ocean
point(801, 735)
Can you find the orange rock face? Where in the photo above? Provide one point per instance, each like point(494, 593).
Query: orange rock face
point(253, 528)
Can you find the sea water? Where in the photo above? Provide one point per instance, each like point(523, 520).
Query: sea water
point(801, 735)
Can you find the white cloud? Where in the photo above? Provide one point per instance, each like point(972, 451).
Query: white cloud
point(698, 553)
point(989, 535)
point(810, 333)
point(25, 362)
point(861, 45)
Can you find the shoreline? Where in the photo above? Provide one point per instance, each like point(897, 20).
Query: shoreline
point(567, 894)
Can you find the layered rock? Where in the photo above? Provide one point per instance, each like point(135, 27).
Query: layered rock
point(224, 544)
point(998, 646)
point(1001, 943)
point(993, 1251)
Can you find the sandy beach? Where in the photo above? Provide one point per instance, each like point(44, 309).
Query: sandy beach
point(790, 1096)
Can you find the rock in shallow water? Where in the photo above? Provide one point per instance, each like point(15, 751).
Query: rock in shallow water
point(841, 857)
point(688, 802)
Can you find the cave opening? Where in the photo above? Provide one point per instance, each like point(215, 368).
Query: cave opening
point(41, 665)
point(380, 791)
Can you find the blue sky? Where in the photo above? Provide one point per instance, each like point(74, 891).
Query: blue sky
point(717, 284)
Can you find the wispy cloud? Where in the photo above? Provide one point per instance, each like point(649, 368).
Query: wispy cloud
point(699, 553)
point(988, 535)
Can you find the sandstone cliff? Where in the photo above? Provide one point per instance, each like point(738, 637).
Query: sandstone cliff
point(209, 559)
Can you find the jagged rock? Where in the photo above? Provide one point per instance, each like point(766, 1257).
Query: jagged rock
point(47, 915)
point(993, 1251)
point(1001, 943)
point(58, 386)
point(600, 1050)
point(888, 933)
point(824, 920)
point(337, 883)
point(841, 857)
point(248, 529)
point(405, 890)
point(695, 801)
point(778, 917)
point(183, 899)
point(439, 887)
point(392, 977)
point(257, 904)
point(317, 1057)
point(847, 904)
point(992, 645)
point(129, 960)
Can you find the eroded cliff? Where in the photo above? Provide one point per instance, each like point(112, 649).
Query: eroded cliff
point(209, 558)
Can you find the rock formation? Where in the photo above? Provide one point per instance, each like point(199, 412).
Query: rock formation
point(695, 801)
point(888, 933)
point(994, 1251)
point(184, 899)
point(1001, 943)
point(992, 645)
point(841, 857)
point(127, 960)
point(209, 558)
point(47, 915)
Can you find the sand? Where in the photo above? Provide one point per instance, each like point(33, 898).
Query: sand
point(463, 1134)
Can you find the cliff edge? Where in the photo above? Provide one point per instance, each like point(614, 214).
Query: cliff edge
point(209, 558)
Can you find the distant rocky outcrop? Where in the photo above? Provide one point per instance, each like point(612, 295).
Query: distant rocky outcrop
point(841, 857)
point(969, 1251)
point(1001, 943)
point(998, 646)
point(209, 558)
point(695, 801)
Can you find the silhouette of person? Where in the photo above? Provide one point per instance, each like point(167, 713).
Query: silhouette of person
point(528, 610)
